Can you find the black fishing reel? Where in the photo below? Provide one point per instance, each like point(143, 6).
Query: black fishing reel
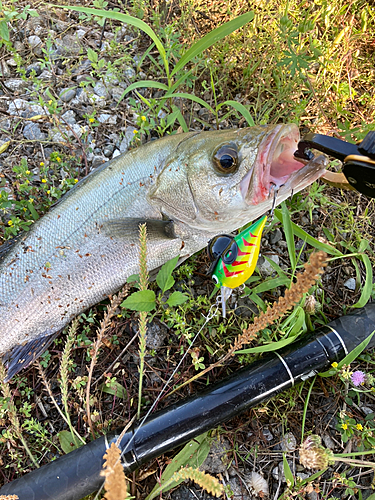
point(358, 159)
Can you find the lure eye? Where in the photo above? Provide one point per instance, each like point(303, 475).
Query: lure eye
point(218, 245)
point(226, 159)
point(215, 279)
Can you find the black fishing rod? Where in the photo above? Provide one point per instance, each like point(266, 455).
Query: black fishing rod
point(77, 474)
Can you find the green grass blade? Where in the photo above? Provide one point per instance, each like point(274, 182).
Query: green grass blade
point(143, 84)
point(211, 38)
point(124, 18)
point(289, 235)
point(270, 284)
point(349, 358)
point(241, 108)
point(273, 346)
point(367, 288)
point(184, 95)
point(300, 233)
point(287, 472)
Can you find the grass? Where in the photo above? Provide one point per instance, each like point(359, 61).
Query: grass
point(310, 64)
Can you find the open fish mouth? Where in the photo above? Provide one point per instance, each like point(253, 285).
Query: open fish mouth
point(277, 168)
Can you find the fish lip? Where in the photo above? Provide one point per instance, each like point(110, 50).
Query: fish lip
point(276, 167)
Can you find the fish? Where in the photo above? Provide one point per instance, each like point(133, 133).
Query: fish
point(187, 187)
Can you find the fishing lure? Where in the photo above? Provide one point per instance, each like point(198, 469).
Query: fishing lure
point(233, 258)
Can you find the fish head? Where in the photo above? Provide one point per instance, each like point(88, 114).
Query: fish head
point(220, 180)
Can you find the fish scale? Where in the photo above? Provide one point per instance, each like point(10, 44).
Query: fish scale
point(86, 246)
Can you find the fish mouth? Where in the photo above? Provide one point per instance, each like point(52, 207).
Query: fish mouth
point(276, 168)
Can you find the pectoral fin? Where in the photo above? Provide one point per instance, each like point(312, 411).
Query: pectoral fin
point(129, 228)
point(23, 355)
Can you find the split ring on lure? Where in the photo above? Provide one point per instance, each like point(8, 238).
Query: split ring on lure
point(234, 258)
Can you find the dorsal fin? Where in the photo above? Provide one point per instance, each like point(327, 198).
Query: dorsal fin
point(22, 356)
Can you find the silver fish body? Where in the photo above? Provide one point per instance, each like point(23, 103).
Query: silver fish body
point(85, 247)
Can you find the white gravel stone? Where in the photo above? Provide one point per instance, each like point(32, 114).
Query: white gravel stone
point(106, 118)
point(116, 153)
point(350, 284)
point(36, 44)
point(265, 267)
point(16, 84)
point(17, 106)
point(46, 76)
point(125, 143)
point(4, 70)
point(288, 442)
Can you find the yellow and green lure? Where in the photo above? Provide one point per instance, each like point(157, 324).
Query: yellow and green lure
point(234, 258)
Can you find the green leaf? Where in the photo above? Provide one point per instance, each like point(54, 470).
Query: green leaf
point(92, 55)
point(144, 300)
point(164, 278)
point(132, 278)
point(367, 288)
point(33, 212)
point(300, 233)
point(287, 472)
point(289, 236)
point(115, 389)
point(211, 38)
point(177, 298)
point(193, 454)
point(4, 31)
point(68, 441)
point(241, 108)
point(349, 358)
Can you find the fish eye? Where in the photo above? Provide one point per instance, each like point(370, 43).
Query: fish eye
point(226, 159)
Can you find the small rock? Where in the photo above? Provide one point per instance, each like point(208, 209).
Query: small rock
point(4, 70)
point(80, 33)
point(108, 150)
point(69, 117)
point(265, 267)
point(46, 76)
point(155, 335)
point(275, 236)
point(245, 308)
point(69, 45)
point(278, 472)
point(17, 106)
point(101, 90)
point(366, 410)
point(106, 118)
point(239, 489)
point(67, 94)
point(328, 441)
point(12, 62)
point(16, 84)
point(80, 98)
point(267, 434)
point(32, 132)
point(116, 153)
point(116, 93)
point(98, 160)
point(125, 143)
point(97, 100)
point(288, 442)
point(36, 44)
point(34, 68)
point(350, 284)
point(282, 244)
point(129, 72)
